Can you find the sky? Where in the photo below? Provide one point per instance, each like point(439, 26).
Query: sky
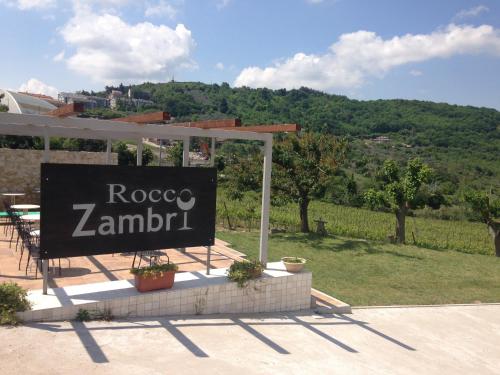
point(443, 51)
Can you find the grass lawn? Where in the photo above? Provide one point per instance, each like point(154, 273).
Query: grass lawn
point(363, 272)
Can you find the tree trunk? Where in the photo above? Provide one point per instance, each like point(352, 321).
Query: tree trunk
point(494, 228)
point(400, 225)
point(304, 218)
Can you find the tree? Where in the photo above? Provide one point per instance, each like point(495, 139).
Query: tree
point(399, 190)
point(488, 208)
point(174, 154)
point(243, 174)
point(3, 107)
point(302, 166)
point(127, 157)
point(223, 107)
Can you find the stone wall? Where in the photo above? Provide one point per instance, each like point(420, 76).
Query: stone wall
point(20, 169)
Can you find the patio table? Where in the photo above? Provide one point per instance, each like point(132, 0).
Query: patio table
point(25, 207)
point(30, 217)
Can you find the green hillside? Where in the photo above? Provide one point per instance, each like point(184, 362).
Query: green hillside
point(416, 122)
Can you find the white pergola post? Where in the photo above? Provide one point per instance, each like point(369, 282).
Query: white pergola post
point(212, 162)
point(185, 163)
point(212, 152)
point(185, 152)
point(108, 151)
point(46, 147)
point(159, 157)
point(139, 152)
point(266, 198)
point(45, 262)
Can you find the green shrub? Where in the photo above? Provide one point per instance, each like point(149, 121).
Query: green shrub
point(13, 298)
point(84, 315)
point(293, 260)
point(242, 272)
point(155, 270)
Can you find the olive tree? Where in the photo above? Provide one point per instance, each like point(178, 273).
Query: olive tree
point(302, 167)
point(488, 209)
point(399, 190)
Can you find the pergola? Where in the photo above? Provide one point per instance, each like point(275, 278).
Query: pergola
point(60, 123)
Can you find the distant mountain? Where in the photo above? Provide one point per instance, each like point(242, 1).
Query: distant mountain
point(416, 123)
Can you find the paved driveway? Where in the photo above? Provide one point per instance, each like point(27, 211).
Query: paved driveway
point(426, 340)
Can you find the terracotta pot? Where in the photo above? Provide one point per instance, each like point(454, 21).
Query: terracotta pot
point(147, 283)
point(293, 267)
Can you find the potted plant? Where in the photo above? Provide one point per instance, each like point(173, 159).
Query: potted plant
point(155, 276)
point(245, 270)
point(293, 264)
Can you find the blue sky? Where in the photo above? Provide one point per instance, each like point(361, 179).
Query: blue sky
point(446, 51)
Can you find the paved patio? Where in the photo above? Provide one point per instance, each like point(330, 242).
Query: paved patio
point(100, 268)
point(426, 340)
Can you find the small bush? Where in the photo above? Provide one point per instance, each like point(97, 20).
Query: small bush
point(242, 272)
point(293, 260)
point(155, 270)
point(84, 315)
point(13, 298)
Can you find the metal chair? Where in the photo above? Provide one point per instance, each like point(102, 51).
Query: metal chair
point(154, 256)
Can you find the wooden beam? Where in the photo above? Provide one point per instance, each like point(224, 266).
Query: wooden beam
point(146, 118)
point(210, 124)
point(278, 128)
point(67, 110)
point(20, 124)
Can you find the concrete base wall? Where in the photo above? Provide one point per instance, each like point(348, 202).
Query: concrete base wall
point(193, 293)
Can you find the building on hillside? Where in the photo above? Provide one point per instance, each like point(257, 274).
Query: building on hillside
point(381, 139)
point(88, 101)
point(117, 99)
point(114, 100)
point(25, 103)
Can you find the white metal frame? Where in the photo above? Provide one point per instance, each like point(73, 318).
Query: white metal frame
point(48, 126)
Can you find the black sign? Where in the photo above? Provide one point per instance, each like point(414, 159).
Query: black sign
point(102, 209)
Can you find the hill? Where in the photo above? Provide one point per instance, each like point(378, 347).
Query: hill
point(420, 123)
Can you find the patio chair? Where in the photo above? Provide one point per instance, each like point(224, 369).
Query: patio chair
point(4, 216)
point(8, 223)
point(152, 254)
point(28, 240)
point(31, 242)
point(14, 224)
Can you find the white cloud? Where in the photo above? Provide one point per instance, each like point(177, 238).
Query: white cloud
point(314, 1)
point(34, 86)
point(416, 73)
point(219, 66)
point(109, 50)
point(472, 12)
point(29, 4)
point(160, 9)
point(222, 4)
point(362, 54)
point(59, 56)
